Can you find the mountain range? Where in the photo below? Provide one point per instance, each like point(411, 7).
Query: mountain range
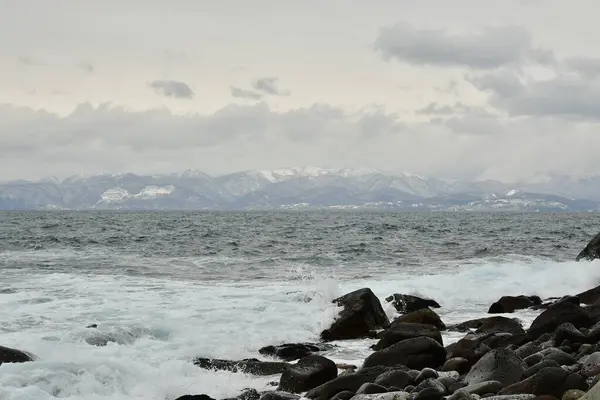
point(296, 189)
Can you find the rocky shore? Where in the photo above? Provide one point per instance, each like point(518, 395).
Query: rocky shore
point(556, 357)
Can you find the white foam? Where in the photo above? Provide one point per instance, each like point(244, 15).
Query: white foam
point(162, 324)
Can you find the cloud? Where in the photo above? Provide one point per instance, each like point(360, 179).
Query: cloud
point(270, 86)
point(171, 88)
point(109, 138)
point(28, 61)
point(484, 48)
point(87, 67)
point(244, 93)
point(588, 68)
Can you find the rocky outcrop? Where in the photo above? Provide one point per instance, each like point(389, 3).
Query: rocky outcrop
point(293, 351)
point(308, 373)
point(251, 366)
point(415, 353)
point(361, 315)
point(424, 316)
point(510, 304)
point(8, 355)
point(406, 303)
point(591, 251)
point(401, 331)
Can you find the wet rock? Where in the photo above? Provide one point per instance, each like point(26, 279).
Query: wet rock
point(573, 394)
point(534, 369)
point(195, 397)
point(398, 332)
point(472, 347)
point(490, 325)
point(371, 388)
point(397, 378)
point(431, 383)
point(278, 395)
point(461, 394)
point(384, 396)
point(549, 381)
point(418, 353)
point(484, 387)
point(459, 364)
point(349, 383)
point(429, 393)
point(519, 397)
point(8, 355)
point(293, 351)
point(361, 314)
point(424, 316)
point(406, 303)
point(534, 359)
point(509, 304)
point(556, 315)
point(590, 365)
point(251, 366)
point(457, 386)
point(558, 355)
point(591, 251)
point(448, 381)
point(567, 331)
point(500, 365)
point(92, 326)
point(345, 395)
point(426, 373)
point(248, 394)
point(528, 349)
point(590, 296)
point(308, 373)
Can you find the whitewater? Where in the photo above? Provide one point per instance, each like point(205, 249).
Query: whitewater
point(164, 288)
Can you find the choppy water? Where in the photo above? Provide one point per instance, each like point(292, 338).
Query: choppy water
point(172, 286)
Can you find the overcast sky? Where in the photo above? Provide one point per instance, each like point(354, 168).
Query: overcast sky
point(507, 90)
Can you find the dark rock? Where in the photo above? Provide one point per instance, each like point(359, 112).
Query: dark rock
point(567, 331)
point(459, 364)
point(251, 366)
point(431, 383)
point(484, 387)
point(406, 303)
point(345, 395)
point(528, 349)
point(293, 351)
point(424, 316)
point(248, 394)
point(509, 304)
point(8, 355)
point(460, 394)
point(457, 386)
point(414, 373)
point(426, 373)
point(371, 388)
point(397, 378)
point(448, 381)
point(556, 315)
point(404, 330)
point(409, 388)
point(534, 369)
point(95, 326)
point(591, 251)
point(430, 393)
point(573, 394)
point(349, 383)
point(500, 365)
point(534, 359)
point(590, 296)
point(308, 373)
point(559, 356)
point(490, 325)
point(590, 365)
point(277, 395)
point(549, 381)
point(419, 353)
point(195, 397)
point(362, 313)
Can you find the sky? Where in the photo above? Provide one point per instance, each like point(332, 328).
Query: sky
point(464, 89)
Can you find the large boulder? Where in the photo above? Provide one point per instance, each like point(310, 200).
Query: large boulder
point(424, 316)
point(402, 331)
point(501, 365)
point(509, 304)
point(405, 303)
point(8, 355)
point(490, 325)
point(415, 353)
point(293, 351)
point(351, 383)
point(251, 366)
point(308, 373)
point(591, 251)
point(361, 315)
point(557, 314)
point(553, 381)
point(589, 296)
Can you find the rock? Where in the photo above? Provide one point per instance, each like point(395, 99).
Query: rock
point(519, 397)
point(549, 381)
point(457, 386)
point(500, 365)
point(429, 393)
point(534, 369)
point(277, 395)
point(406, 303)
point(345, 395)
point(490, 325)
point(593, 393)
point(573, 394)
point(398, 332)
point(567, 331)
point(426, 373)
point(461, 394)
point(8, 355)
point(346, 366)
point(509, 304)
point(590, 296)
point(95, 326)
point(248, 394)
point(371, 388)
point(251, 366)
point(448, 381)
point(384, 396)
point(308, 373)
point(591, 251)
point(528, 349)
point(361, 314)
point(431, 383)
point(424, 316)
point(349, 383)
point(484, 387)
point(558, 355)
point(590, 365)
point(195, 397)
point(293, 351)
point(556, 315)
point(397, 378)
point(459, 364)
point(419, 353)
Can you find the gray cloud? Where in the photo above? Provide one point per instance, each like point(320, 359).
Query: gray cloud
point(588, 68)
point(28, 61)
point(171, 88)
point(87, 67)
point(486, 48)
point(244, 93)
point(270, 86)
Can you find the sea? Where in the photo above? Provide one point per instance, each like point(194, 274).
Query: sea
point(166, 287)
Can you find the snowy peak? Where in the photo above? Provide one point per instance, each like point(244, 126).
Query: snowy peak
point(279, 175)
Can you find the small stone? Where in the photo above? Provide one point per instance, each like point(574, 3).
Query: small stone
point(426, 373)
point(573, 394)
point(371, 388)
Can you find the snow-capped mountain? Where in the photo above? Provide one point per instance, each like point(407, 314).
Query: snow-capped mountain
point(294, 188)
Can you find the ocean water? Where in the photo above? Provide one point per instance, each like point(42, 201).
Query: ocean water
point(168, 287)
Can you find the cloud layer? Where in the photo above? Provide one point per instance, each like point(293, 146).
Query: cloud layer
point(170, 88)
